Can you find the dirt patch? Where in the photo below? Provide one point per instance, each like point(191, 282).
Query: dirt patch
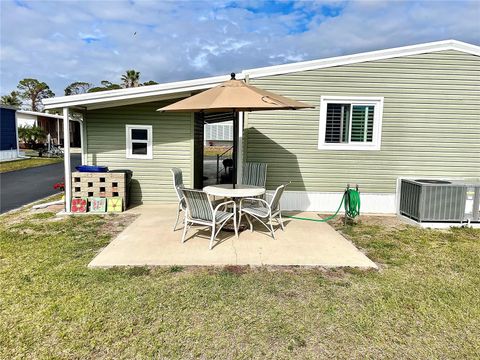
point(116, 223)
point(388, 222)
point(239, 270)
point(235, 269)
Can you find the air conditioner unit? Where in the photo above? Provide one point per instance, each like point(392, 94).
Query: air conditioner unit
point(427, 200)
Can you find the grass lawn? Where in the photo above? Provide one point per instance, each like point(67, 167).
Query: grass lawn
point(27, 163)
point(216, 150)
point(424, 303)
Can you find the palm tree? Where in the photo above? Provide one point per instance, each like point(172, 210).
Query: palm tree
point(12, 99)
point(131, 78)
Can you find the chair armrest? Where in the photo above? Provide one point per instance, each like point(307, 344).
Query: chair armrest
point(267, 205)
point(225, 203)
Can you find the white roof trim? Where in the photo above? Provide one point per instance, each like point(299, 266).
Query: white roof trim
point(132, 93)
point(162, 90)
point(363, 57)
point(36, 113)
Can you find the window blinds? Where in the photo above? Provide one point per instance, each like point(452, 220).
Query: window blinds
point(349, 123)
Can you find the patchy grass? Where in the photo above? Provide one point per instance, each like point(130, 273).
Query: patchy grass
point(423, 303)
point(27, 163)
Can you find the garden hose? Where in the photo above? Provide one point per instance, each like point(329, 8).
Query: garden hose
point(351, 202)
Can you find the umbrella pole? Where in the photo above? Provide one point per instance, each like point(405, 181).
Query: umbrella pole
point(235, 147)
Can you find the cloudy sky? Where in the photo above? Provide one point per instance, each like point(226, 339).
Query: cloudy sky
point(64, 41)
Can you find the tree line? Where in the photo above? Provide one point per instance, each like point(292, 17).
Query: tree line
point(30, 92)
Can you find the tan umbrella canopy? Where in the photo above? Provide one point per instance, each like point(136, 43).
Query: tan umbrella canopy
point(234, 95)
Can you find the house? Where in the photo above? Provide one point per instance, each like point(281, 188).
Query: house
point(8, 134)
point(379, 116)
point(51, 124)
point(218, 134)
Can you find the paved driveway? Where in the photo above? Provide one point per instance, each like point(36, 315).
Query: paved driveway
point(21, 187)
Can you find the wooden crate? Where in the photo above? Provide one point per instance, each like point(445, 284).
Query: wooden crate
point(85, 184)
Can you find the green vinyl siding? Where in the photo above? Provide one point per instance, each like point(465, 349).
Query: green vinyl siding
point(172, 147)
point(431, 124)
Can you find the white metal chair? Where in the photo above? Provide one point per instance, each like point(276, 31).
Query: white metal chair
point(263, 211)
point(200, 211)
point(178, 185)
point(254, 174)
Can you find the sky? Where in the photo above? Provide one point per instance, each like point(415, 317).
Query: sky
point(60, 42)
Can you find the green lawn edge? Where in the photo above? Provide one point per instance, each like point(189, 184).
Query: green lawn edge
point(15, 165)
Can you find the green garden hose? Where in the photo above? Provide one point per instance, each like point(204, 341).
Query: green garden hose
point(351, 202)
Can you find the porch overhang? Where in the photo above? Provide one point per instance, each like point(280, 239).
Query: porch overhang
point(105, 99)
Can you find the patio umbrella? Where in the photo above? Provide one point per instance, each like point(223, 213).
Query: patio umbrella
point(234, 95)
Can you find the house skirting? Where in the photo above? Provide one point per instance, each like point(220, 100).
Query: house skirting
point(8, 155)
point(379, 203)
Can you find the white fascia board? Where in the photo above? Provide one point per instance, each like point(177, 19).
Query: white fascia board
point(133, 93)
point(36, 113)
point(363, 57)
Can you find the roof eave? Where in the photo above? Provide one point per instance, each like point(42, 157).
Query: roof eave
point(175, 89)
point(36, 113)
point(363, 57)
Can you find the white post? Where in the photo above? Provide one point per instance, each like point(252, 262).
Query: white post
point(66, 158)
point(82, 142)
point(240, 148)
point(58, 131)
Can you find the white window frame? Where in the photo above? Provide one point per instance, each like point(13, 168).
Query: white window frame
point(375, 101)
point(149, 141)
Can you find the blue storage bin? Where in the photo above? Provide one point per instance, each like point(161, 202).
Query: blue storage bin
point(91, 168)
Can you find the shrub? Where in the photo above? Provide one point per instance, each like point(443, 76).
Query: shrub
point(32, 136)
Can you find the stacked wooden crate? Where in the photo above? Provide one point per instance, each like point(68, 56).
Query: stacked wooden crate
point(98, 184)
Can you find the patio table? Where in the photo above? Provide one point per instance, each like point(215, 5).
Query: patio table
point(240, 191)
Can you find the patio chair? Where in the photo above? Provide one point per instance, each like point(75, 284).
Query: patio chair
point(178, 186)
point(254, 174)
point(263, 211)
point(200, 211)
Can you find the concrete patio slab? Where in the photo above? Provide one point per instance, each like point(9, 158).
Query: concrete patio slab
point(150, 240)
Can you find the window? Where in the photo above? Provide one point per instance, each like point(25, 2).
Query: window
point(139, 142)
point(350, 123)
